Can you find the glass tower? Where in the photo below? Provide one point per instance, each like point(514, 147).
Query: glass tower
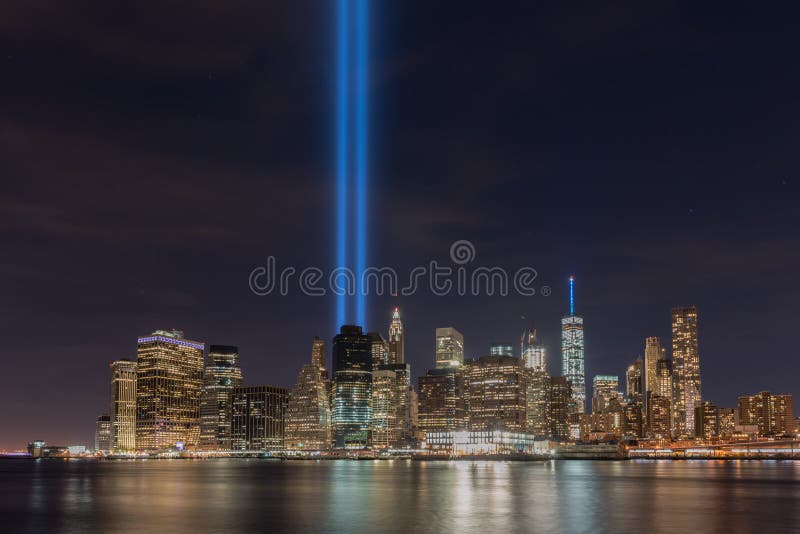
point(572, 354)
point(449, 348)
point(352, 390)
point(123, 405)
point(222, 375)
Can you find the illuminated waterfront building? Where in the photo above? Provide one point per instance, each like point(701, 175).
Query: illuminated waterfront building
point(727, 422)
point(659, 416)
point(258, 419)
point(449, 348)
point(441, 400)
point(379, 348)
point(572, 353)
point(653, 351)
point(772, 414)
point(532, 351)
point(664, 386)
point(560, 396)
point(634, 418)
point(686, 369)
point(222, 375)
point(123, 405)
point(605, 426)
point(308, 414)
point(396, 342)
point(102, 434)
point(405, 404)
point(352, 390)
point(634, 380)
point(495, 393)
point(384, 409)
point(706, 417)
point(604, 390)
point(169, 379)
point(537, 402)
point(501, 349)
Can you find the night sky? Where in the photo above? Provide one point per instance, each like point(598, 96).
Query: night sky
point(151, 157)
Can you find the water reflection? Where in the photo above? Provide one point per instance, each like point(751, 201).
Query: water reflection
point(399, 495)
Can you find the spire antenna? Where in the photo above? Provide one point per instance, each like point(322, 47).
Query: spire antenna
point(572, 295)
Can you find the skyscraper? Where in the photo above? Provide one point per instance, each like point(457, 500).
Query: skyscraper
point(537, 402)
point(441, 400)
point(572, 353)
point(352, 392)
point(449, 348)
point(384, 408)
point(123, 405)
point(405, 403)
point(258, 419)
point(169, 379)
point(633, 380)
point(495, 388)
point(532, 351)
point(652, 353)
point(318, 355)
point(396, 346)
point(102, 434)
point(604, 390)
point(773, 414)
point(706, 416)
point(686, 369)
point(560, 396)
point(308, 413)
point(222, 375)
point(379, 348)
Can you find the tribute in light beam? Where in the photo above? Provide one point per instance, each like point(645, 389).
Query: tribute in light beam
point(351, 152)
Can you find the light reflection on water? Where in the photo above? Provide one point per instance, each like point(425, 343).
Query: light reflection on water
point(401, 495)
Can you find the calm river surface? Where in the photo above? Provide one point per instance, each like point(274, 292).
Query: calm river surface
point(233, 495)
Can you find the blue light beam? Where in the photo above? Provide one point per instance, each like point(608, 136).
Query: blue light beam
point(342, 149)
point(361, 124)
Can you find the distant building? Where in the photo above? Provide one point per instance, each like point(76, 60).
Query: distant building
point(537, 402)
point(634, 418)
point(441, 400)
point(384, 409)
point(169, 380)
point(659, 416)
point(572, 354)
point(449, 348)
point(122, 409)
point(687, 392)
point(501, 349)
point(772, 414)
point(352, 390)
point(405, 404)
point(653, 351)
point(396, 340)
point(308, 414)
point(560, 395)
point(102, 434)
point(379, 348)
point(634, 381)
point(495, 393)
point(727, 422)
point(222, 375)
point(533, 353)
point(706, 419)
point(605, 388)
point(258, 421)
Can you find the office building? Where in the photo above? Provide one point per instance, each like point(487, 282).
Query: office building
point(396, 342)
point(495, 388)
point(258, 420)
point(169, 380)
point(102, 434)
point(605, 388)
point(533, 352)
point(501, 349)
point(560, 396)
point(634, 381)
point(659, 416)
point(384, 409)
point(405, 404)
point(449, 348)
point(122, 408)
point(572, 353)
point(352, 390)
point(379, 348)
point(222, 375)
point(537, 402)
point(308, 414)
point(441, 400)
point(706, 417)
point(653, 351)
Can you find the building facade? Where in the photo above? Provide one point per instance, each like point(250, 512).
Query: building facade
point(258, 421)
point(772, 414)
point(122, 408)
point(441, 400)
point(169, 381)
point(102, 434)
point(533, 353)
point(687, 393)
point(605, 388)
point(495, 388)
point(222, 375)
point(449, 348)
point(352, 390)
point(573, 354)
point(396, 342)
point(706, 417)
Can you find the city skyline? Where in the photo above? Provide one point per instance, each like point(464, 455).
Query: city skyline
point(143, 192)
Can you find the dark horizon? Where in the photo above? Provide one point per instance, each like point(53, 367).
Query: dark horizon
point(155, 156)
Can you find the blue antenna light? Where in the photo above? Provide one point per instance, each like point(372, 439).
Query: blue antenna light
point(572, 295)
